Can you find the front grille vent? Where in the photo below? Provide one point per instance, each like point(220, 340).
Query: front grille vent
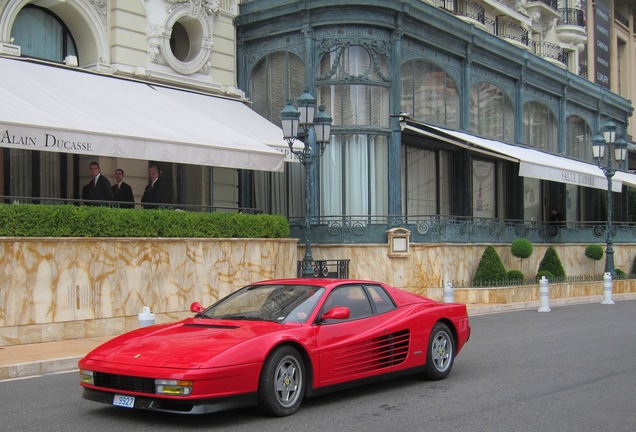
point(124, 382)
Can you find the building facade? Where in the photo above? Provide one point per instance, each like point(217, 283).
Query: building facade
point(127, 46)
point(400, 78)
point(431, 101)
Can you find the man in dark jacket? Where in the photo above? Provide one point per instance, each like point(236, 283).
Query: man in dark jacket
point(98, 189)
point(122, 191)
point(157, 191)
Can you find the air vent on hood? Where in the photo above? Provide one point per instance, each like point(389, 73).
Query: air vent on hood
point(212, 326)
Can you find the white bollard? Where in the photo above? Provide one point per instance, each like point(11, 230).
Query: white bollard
point(607, 289)
point(449, 293)
point(544, 295)
point(146, 318)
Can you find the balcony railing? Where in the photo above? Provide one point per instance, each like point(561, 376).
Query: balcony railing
point(570, 16)
point(457, 229)
point(508, 30)
point(466, 8)
point(549, 50)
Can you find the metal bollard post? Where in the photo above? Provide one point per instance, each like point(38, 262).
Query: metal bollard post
point(449, 293)
point(544, 295)
point(146, 318)
point(607, 289)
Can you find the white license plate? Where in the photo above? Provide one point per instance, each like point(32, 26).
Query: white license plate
point(124, 401)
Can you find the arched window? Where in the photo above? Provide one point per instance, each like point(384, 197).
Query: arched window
point(491, 113)
point(578, 139)
point(540, 127)
point(429, 94)
point(42, 35)
point(277, 78)
point(353, 84)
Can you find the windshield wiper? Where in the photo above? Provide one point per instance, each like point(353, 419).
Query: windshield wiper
point(242, 317)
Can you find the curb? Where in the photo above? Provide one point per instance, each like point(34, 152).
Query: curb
point(38, 368)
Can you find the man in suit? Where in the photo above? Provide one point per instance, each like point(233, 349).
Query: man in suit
point(122, 191)
point(98, 189)
point(157, 191)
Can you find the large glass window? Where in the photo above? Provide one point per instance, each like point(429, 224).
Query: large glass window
point(277, 78)
point(484, 189)
point(532, 199)
point(429, 94)
point(354, 175)
point(41, 34)
point(491, 112)
point(425, 182)
point(578, 139)
point(540, 127)
point(353, 84)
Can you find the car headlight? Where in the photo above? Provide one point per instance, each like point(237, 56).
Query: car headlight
point(86, 377)
point(173, 387)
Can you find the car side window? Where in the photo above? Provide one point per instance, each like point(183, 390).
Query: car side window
point(352, 297)
point(380, 299)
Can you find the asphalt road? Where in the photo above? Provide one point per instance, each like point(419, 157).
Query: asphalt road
point(572, 369)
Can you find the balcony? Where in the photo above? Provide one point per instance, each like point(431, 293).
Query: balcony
point(462, 8)
point(574, 17)
point(549, 51)
point(570, 27)
point(510, 30)
point(543, 11)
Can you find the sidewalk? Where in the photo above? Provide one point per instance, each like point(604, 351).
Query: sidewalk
point(22, 361)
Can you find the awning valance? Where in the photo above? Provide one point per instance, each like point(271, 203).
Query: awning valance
point(63, 110)
point(533, 163)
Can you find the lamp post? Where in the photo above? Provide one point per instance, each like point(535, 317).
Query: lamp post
point(605, 161)
point(316, 132)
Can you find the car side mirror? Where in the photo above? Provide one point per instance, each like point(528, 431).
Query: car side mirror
point(338, 313)
point(196, 308)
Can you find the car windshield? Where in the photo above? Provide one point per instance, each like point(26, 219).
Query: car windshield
point(276, 302)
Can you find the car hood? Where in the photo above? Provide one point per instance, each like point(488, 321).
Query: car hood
point(189, 344)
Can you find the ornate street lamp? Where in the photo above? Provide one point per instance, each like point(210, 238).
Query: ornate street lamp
point(616, 151)
point(316, 133)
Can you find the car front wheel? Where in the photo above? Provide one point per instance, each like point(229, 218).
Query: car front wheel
point(440, 353)
point(281, 386)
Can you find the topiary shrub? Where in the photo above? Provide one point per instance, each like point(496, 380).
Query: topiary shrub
point(620, 274)
point(634, 266)
point(490, 269)
point(515, 276)
point(521, 248)
point(552, 263)
point(547, 274)
point(594, 252)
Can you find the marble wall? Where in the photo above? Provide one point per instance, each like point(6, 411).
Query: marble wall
point(53, 289)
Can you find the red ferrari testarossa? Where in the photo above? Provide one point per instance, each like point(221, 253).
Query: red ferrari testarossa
point(273, 343)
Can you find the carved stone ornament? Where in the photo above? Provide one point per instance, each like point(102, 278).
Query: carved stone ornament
point(205, 12)
point(209, 7)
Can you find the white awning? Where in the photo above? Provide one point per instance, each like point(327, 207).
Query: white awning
point(238, 116)
point(627, 179)
point(533, 163)
point(64, 110)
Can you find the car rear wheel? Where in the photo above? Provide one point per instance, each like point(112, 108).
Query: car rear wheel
point(440, 353)
point(281, 386)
